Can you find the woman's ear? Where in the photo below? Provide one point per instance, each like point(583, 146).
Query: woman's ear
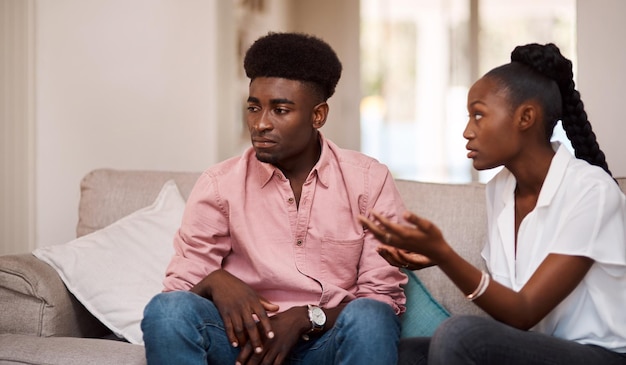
point(527, 116)
point(320, 112)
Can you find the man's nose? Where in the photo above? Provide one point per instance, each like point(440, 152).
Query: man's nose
point(262, 121)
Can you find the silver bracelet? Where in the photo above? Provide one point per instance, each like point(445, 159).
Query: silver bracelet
point(481, 288)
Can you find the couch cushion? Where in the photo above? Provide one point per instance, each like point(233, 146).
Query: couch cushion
point(459, 211)
point(22, 349)
point(622, 183)
point(107, 195)
point(423, 313)
point(115, 271)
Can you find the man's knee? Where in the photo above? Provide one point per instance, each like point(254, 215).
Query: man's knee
point(165, 304)
point(366, 305)
point(369, 313)
point(178, 307)
point(369, 331)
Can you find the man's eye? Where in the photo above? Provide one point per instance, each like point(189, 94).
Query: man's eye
point(281, 111)
point(252, 108)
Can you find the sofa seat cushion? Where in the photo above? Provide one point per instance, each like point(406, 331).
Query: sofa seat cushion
point(24, 349)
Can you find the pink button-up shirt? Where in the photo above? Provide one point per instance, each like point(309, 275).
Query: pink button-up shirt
point(242, 216)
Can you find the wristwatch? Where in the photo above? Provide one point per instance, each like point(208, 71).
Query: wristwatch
point(317, 318)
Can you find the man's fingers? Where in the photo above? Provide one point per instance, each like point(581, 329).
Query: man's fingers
point(264, 319)
point(269, 306)
point(244, 353)
point(243, 331)
point(254, 337)
point(229, 327)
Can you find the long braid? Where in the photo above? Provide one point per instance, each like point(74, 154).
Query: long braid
point(548, 60)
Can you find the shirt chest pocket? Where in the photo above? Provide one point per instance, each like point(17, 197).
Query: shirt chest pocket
point(340, 261)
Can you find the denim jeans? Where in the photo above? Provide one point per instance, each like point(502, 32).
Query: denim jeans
point(478, 340)
point(183, 328)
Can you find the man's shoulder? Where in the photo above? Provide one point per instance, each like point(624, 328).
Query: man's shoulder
point(225, 166)
point(236, 166)
point(354, 158)
point(231, 172)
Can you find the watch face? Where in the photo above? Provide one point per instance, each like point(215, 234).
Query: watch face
point(318, 316)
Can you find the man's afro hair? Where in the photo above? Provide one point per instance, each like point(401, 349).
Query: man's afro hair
point(294, 56)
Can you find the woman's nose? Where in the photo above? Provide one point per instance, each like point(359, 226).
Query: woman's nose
point(468, 133)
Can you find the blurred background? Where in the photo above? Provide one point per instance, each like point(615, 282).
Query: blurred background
point(419, 59)
point(158, 84)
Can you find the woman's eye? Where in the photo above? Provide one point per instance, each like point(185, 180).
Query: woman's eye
point(477, 116)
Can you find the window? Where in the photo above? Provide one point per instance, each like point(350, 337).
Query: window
point(419, 58)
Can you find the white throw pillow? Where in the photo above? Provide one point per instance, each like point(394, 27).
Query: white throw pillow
point(115, 271)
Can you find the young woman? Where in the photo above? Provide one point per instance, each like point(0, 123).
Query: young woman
point(556, 249)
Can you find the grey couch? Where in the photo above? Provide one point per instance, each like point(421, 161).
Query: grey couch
point(42, 323)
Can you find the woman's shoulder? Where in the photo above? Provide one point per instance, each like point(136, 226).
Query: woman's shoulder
point(584, 177)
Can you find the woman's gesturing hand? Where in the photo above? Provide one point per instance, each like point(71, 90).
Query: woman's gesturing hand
point(403, 258)
point(417, 245)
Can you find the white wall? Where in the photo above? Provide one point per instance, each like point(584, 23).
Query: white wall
point(337, 22)
point(602, 74)
point(120, 84)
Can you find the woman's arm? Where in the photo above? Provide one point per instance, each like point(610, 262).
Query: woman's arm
point(555, 278)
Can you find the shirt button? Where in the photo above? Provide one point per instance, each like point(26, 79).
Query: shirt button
point(299, 243)
point(290, 200)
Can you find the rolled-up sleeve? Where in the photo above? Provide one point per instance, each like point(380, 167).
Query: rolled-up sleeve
point(202, 240)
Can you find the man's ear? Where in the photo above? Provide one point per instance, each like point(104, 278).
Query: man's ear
point(320, 112)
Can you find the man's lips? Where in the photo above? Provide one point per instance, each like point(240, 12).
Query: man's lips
point(263, 142)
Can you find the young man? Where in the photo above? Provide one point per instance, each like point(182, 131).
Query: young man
point(271, 265)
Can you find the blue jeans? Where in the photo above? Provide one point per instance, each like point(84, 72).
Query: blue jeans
point(183, 328)
point(479, 340)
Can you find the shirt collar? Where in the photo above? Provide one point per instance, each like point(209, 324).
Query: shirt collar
point(556, 174)
point(321, 168)
point(265, 171)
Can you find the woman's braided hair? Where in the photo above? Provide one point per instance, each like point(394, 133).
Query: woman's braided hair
point(542, 73)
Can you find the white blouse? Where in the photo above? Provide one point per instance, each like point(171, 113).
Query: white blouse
point(580, 211)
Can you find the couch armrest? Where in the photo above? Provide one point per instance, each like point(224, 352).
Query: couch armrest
point(35, 301)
